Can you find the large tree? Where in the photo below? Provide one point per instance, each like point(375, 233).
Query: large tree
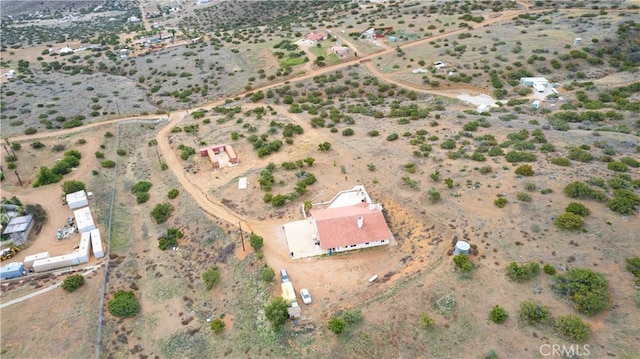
point(276, 312)
point(73, 186)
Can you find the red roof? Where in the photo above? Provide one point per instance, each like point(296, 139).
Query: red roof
point(338, 227)
point(316, 37)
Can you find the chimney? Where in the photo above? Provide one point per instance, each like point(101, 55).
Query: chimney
point(360, 221)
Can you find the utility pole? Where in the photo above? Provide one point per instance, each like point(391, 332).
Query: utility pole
point(117, 107)
point(241, 235)
point(6, 139)
point(19, 180)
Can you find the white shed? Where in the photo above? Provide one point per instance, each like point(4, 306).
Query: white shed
point(84, 219)
point(46, 264)
point(77, 200)
point(96, 243)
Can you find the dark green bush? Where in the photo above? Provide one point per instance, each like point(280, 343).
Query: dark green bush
point(525, 170)
point(549, 269)
point(73, 282)
point(561, 161)
point(498, 314)
point(108, 164)
point(142, 186)
point(571, 327)
point(267, 274)
point(124, 304)
point(500, 202)
point(631, 162)
point(585, 288)
point(522, 273)
point(533, 313)
point(462, 261)
point(211, 277)
point(517, 156)
point(173, 193)
point(161, 212)
point(617, 166)
point(217, 325)
point(633, 266)
point(337, 325)
point(142, 197)
point(577, 208)
point(569, 221)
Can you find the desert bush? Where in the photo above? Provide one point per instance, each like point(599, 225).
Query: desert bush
point(448, 144)
point(523, 197)
point(348, 132)
point(217, 325)
point(533, 313)
point(569, 221)
point(173, 193)
point(267, 274)
point(373, 133)
point(463, 262)
point(561, 161)
point(99, 155)
point(426, 322)
point(500, 202)
point(142, 186)
point(36, 145)
point(121, 152)
point(633, 266)
point(617, 166)
point(585, 288)
point(571, 327)
point(522, 273)
point(336, 325)
point(498, 314)
point(30, 131)
point(276, 312)
point(108, 164)
point(170, 239)
point(577, 208)
point(108, 134)
point(525, 170)
point(73, 186)
point(46, 176)
point(518, 156)
point(124, 304)
point(624, 201)
point(434, 195)
point(161, 212)
point(393, 137)
point(549, 269)
point(73, 282)
point(211, 277)
point(485, 170)
point(256, 241)
point(631, 162)
point(582, 190)
point(578, 154)
point(142, 197)
point(58, 147)
point(353, 316)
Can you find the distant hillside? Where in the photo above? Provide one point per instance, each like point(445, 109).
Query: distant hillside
point(28, 8)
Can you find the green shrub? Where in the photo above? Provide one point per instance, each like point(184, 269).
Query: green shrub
point(426, 322)
point(30, 131)
point(448, 144)
point(571, 327)
point(267, 274)
point(561, 161)
point(36, 145)
point(498, 314)
point(217, 325)
point(336, 325)
point(142, 197)
point(142, 186)
point(121, 152)
point(485, 170)
point(633, 266)
point(533, 313)
point(124, 304)
point(352, 316)
point(522, 273)
point(617, 166)
point(393, 137)
point(99, 155)
point(108, 164)
point(500, 202)
point(173, 193)
point(373, 133)
point(582, 190)
point(73, 282)
point(631, 162)
point(256, 241)
point(463, 262)
point(170, 239)
point(525, 170)
point(569, 221)
point(161, 212)
point(517, 156)
point(276, 312)
point(549, 269)
point(73, 186)
point(585, 288)
point(523, 197)
point(624, 201)
point(348, 132)
point(211, 277)
point(577, 208)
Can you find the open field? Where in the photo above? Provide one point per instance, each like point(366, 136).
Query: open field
point(442, 171)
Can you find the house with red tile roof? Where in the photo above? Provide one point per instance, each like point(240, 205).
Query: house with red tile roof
point(346, 228)
point(314, 38)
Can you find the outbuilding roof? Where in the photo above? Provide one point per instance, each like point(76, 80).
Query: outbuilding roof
point(18, 224)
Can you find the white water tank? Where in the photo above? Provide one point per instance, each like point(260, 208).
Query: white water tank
point(360, 222)
point(462, 247)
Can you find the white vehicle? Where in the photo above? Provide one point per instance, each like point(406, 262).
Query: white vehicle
point(306, 297)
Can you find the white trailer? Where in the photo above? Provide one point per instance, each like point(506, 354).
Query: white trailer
point(84, 248)
point(67, 260)
point(28, 260)
point(96, 243)
point(77, 200)
point(84, 220)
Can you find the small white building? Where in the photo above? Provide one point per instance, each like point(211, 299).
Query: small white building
point(84, 220)
point(67, 260)
point(84, 248)
point(77, 199)
point(29, 260)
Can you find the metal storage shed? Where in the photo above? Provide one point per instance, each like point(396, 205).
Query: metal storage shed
point(46, 264)
point(18, 229)
point(84, 219)
point(77, 200)
point(12, 270)
point(96, 243)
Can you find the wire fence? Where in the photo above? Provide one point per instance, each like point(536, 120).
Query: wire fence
point(103, 287)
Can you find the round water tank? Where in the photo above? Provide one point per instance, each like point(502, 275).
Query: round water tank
point(462, 247)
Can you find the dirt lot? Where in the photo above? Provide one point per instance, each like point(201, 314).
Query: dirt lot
point(415, 277)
